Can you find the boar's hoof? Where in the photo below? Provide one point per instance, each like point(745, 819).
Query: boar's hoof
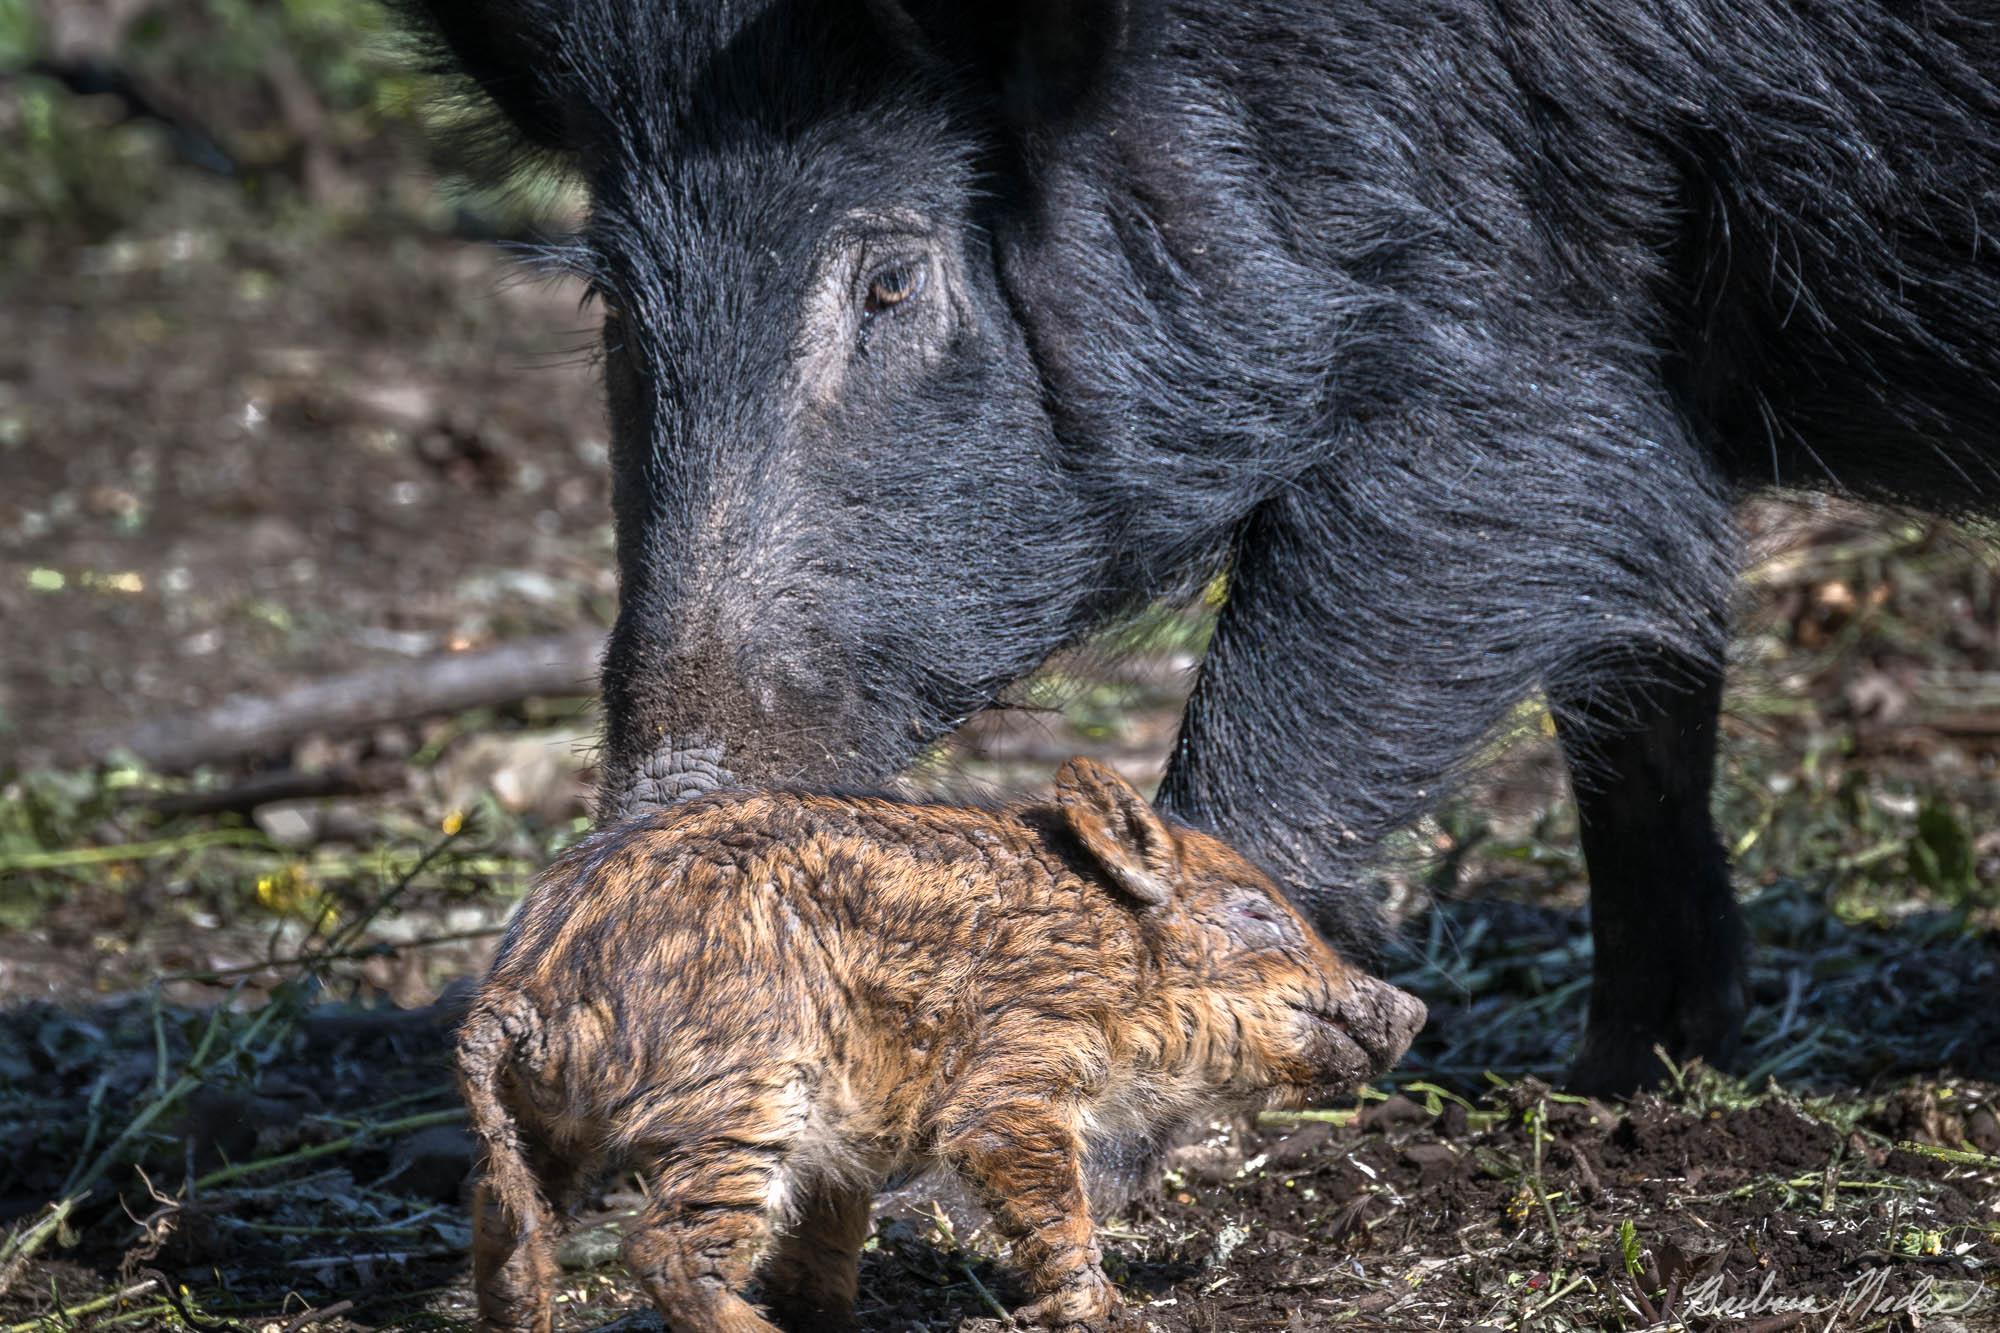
point(1087, 1303)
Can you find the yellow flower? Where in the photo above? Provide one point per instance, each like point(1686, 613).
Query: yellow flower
point(289, 891)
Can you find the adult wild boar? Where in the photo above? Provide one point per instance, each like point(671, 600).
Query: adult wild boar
point(936, 333)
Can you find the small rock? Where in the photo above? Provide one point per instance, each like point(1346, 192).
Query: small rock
point(1982, 1130)
point(404, 404)
point(268, 539)
point(293, 825)
point(536, 772)
point(349, 821)
point(110, 502)
point(1300, 1145)
point(589, 1247)
point(1397, 1112)
point(1434, 1161)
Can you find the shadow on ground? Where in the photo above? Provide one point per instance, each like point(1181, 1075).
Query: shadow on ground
point(308, 1155)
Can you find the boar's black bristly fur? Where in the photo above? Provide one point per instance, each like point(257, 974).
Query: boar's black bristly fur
point(1452, 329)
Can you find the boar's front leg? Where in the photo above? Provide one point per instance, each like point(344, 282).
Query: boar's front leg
point(813, 1276)
point(1025, 1161)
point(1668, 932)
point(1562, 529)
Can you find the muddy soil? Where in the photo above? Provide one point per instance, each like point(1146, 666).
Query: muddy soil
point(1532, 1209)
point(238, 461)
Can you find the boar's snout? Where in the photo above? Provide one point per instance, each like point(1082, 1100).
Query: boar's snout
point(674, 771)
point(705, 704)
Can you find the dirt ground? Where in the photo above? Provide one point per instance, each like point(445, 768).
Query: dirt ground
point(240, 457)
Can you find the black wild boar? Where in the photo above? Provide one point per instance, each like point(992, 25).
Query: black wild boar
point(769, 1003)
point(936, 333)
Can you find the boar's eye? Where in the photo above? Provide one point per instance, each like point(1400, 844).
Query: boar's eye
point(1257, 924)
point(892, 286)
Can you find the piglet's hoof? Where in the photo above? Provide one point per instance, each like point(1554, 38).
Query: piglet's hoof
point(1087, 1303)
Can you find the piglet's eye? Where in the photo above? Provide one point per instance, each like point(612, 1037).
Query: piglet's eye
point(892, 287)
point(1259, 925)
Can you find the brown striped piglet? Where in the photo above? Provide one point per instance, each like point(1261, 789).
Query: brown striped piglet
point(769, 1003)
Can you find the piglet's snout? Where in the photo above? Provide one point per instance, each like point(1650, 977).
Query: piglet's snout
point(1382, 1021)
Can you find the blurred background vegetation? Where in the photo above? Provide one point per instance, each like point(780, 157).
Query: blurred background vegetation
point(272, 405)
point(308, 113)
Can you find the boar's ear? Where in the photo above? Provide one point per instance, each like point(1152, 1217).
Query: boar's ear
point(1119, 830)
point(1043, 60)
point(506, 47)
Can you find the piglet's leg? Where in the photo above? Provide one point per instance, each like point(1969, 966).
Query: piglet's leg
point(1027, 1165)
point(812, 1277)
point(512, 1270)
point(698, 1241)
point(514, 1248)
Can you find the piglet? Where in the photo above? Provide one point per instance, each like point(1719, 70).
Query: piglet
point(769, 1003)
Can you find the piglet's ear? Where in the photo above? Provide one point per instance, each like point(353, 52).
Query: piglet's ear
point(1043, 60)
point(508, 48)
point(1119, 830)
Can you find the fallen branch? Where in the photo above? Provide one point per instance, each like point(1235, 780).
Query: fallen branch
point(384, 949)
point(263, 789)
point(320, 1316)
point(67, 857)
point(61, 1317)
point(387, 1129)
point(1956, 1156)
point(400, 1258)
point(358, 700)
